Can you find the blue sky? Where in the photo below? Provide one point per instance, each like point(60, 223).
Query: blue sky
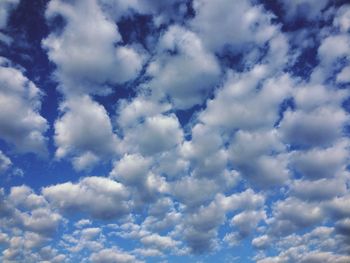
point(174, 131)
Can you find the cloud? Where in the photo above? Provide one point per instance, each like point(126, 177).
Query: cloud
point(208, 125)
point(320, 127)
point(99, 61)
point(20, 102)
point(321, 162)
point(239, 104)
point(155, 135)
point(242, 23)
point(5, 162)
point(6, 7)
point(98, 197)
point(112, 255)
point(85, 132)
point(188, 75)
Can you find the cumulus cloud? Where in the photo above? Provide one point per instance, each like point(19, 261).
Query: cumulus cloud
point(20, 103)
point(113, 255)
point(84, 132)
point(242, 23)
point(5, 162)
point(208, 125)
point(98, 197)
point(87, 67)
point(189, 75)
point(156, 134)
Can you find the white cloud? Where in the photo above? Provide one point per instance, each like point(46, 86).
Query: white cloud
point(131, 169)
point(88, 67)
point(113, 255)
point(20, 102)
point(240, 105)
point(320, 127)
point(155, 135)
point(242, 23)
point(342, 18)
point(133, 112)
point(321, 162)
point(186, 76)
point(343, 76)
point(5, 162)
point(84, 132)
point(96, 196)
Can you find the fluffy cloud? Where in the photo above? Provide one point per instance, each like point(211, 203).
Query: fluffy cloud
point(84, 132)
point(155, 135)
point(209, 125)
point(97, 196)
point(239, 104)
point(98, 61)
point(20, 102)
point(186, 76)
point(242, 23)
point(5, 162)
point(112, 255)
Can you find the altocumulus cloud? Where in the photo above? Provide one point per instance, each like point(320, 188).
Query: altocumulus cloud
point(174, 131)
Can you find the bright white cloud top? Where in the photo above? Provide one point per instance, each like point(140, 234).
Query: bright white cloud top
point(174, 131)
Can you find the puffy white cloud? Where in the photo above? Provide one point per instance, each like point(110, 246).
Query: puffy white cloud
point(247, 221)
point(98, 61)
point(20, 102)
point(321, 162)
point(240, 103)
point(96, 196)
point(332, 49)
point(133, 112)
point(260, 157)
point(5, 162)
point(310, 190)
point(113, 255)
point(242, 23)
point(186, 76)
point(292, 214)
point(200, 226)
point(155, 135)
point(194, 191)
point(131, 168)
point(342, 18)
point(161, 242)
point(320, 127)
point(343, 76)
point(85, 132)
point(263, 155)
point(23, 196)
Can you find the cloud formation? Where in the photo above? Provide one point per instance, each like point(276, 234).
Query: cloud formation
point(174, 131)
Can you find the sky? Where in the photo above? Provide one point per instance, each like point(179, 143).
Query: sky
point(174, 131)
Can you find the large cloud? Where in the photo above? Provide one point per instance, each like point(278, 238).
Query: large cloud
point(186, 76)
point(85, 132)
point(85, 52)
point(233, 133)
point(20, 102)
point(97, 196)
